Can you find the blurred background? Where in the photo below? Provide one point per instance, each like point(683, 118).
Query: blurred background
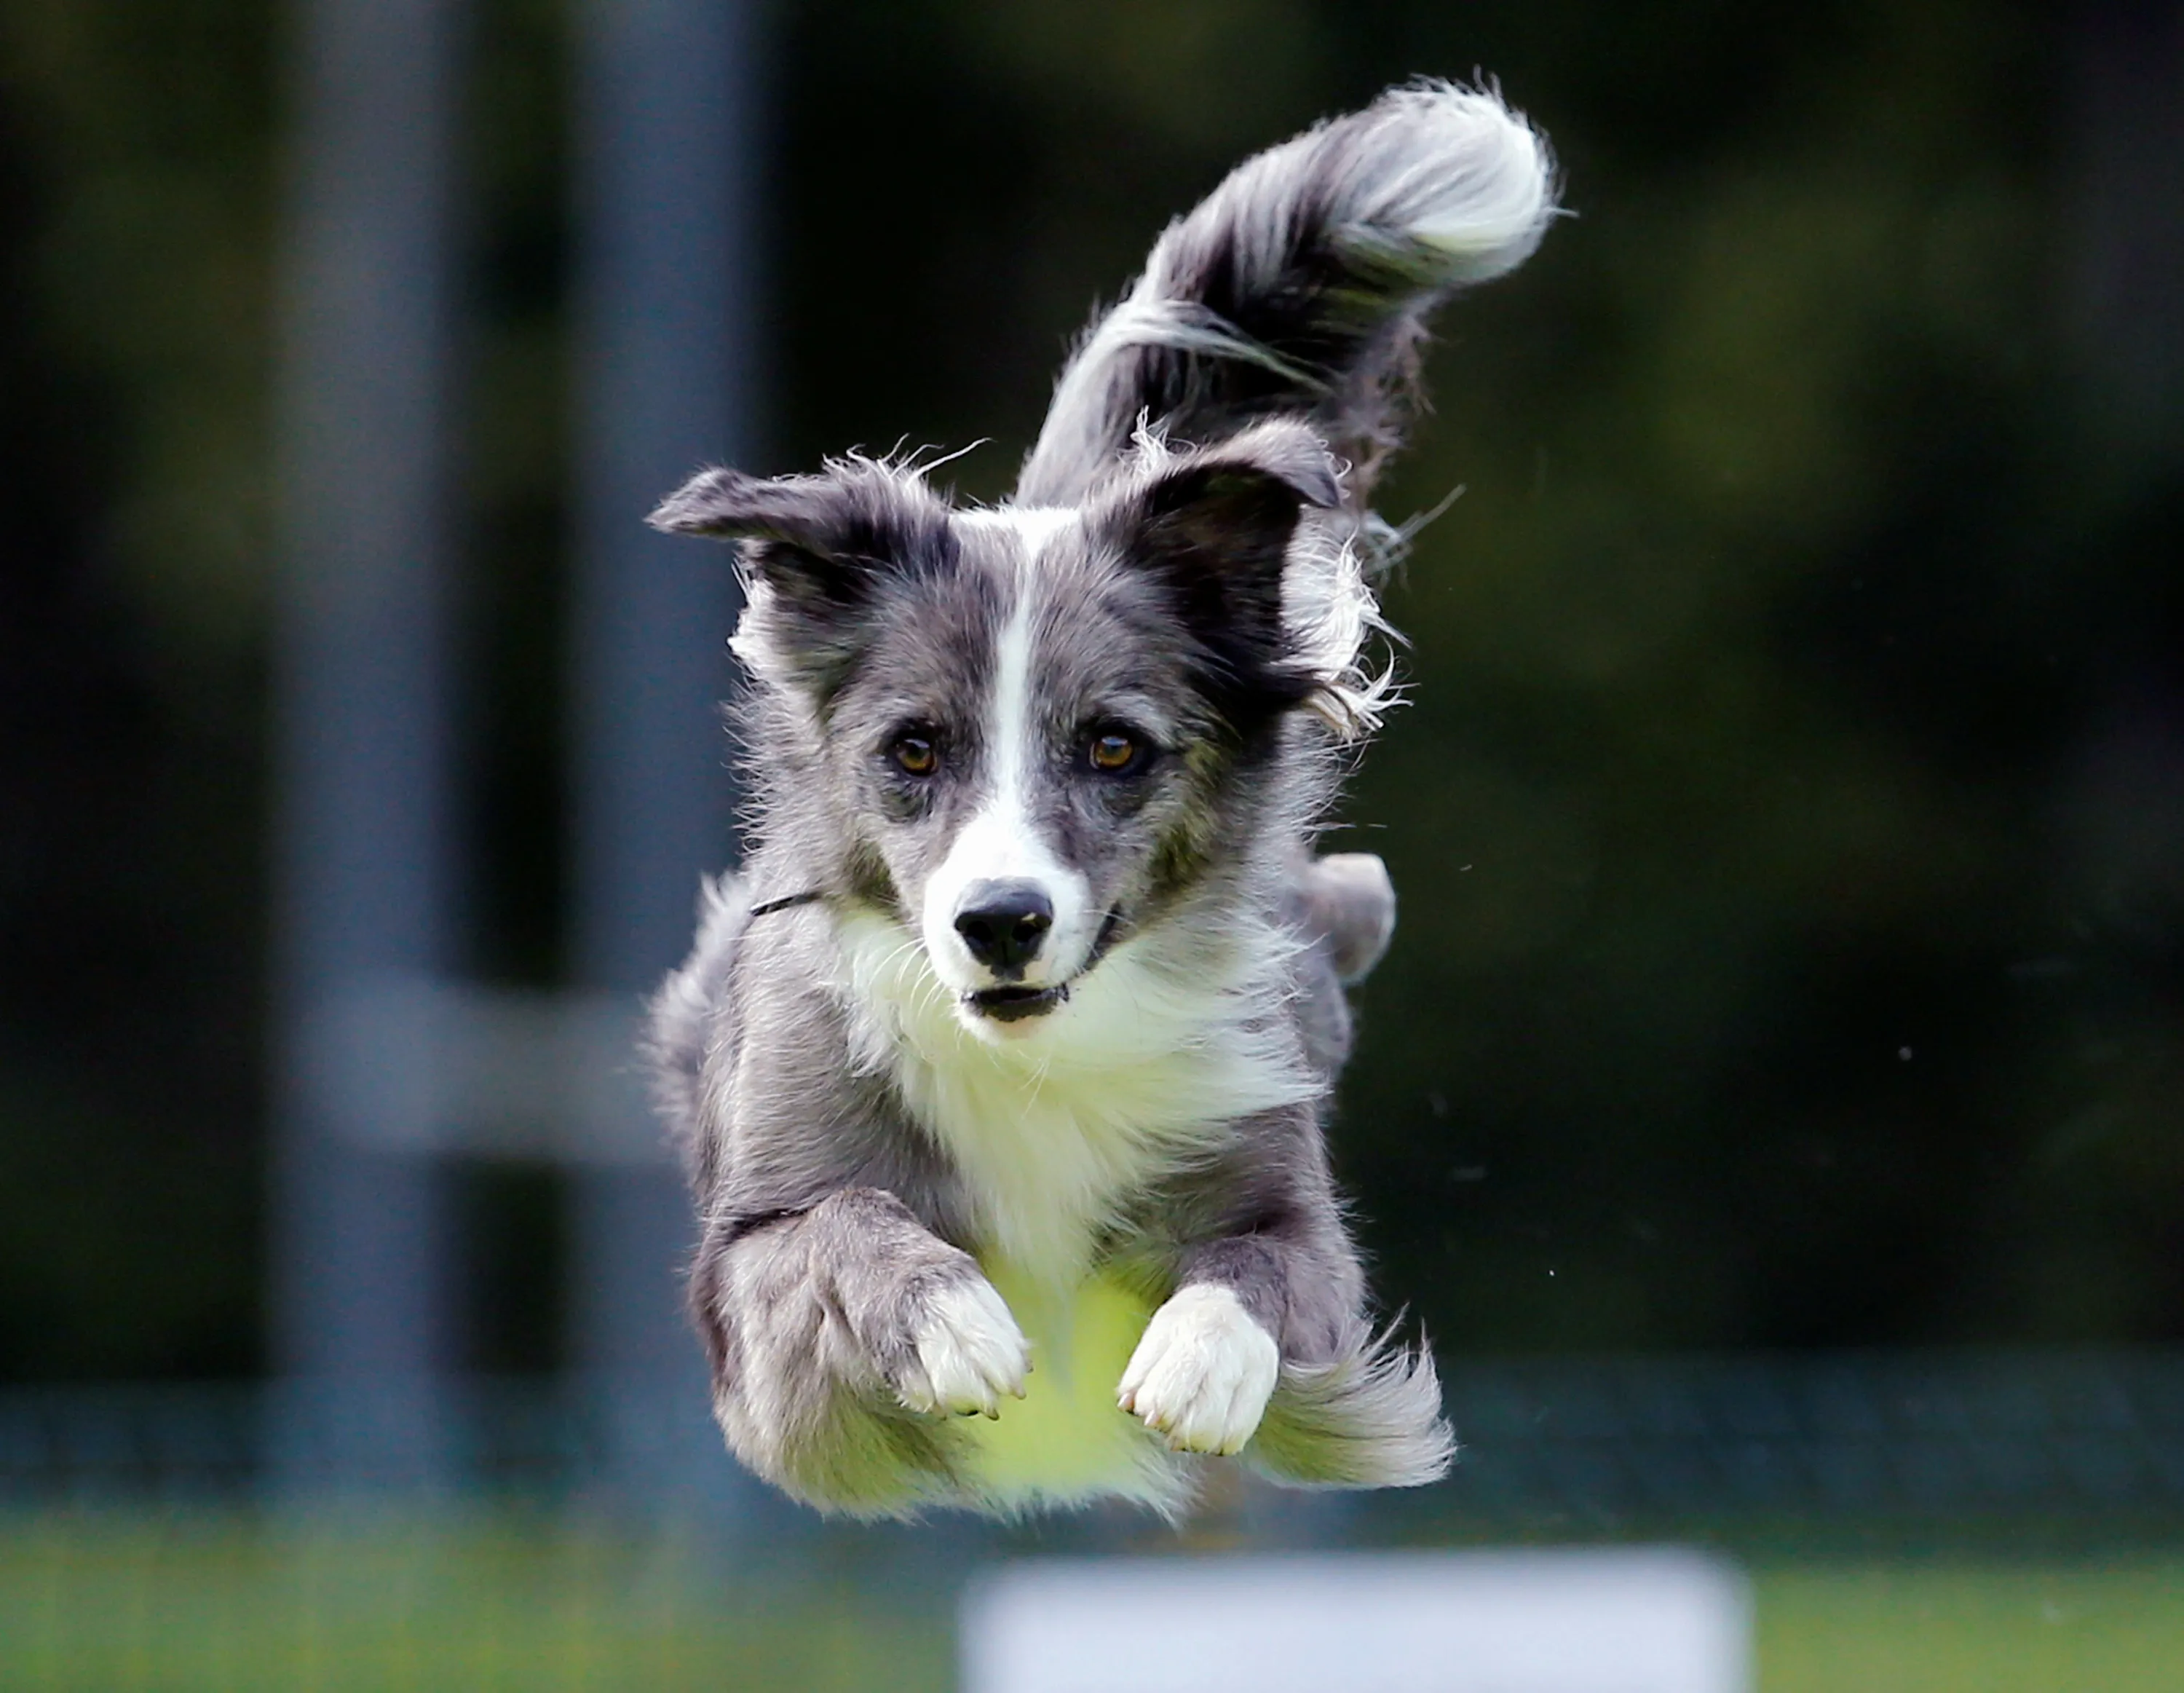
point(1773, 1106)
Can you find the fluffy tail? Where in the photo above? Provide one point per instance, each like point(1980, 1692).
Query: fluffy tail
point(1302, 285)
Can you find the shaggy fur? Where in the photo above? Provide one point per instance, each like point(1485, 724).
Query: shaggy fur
point(1001, 1065)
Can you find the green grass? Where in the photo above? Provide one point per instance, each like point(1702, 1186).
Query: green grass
point(2105, 1626)
point(111, 1603)
point(115, 1601)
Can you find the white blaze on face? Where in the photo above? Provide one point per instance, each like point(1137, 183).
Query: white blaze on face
point(1002, 841)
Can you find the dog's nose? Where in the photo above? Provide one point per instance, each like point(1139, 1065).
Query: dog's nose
point(1003, 924)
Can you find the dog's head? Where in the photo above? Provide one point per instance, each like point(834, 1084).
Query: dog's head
point(1037, 728)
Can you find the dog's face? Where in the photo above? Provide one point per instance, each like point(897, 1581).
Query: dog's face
point(1034, 726)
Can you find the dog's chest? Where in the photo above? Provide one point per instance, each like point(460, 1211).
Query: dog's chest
point(1044, 1169)
point(1045, 1164)
point(1053, 1138)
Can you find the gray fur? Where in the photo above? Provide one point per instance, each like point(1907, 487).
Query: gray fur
point(876, 1114)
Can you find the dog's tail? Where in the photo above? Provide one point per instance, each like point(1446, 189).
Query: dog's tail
point(1302, 284)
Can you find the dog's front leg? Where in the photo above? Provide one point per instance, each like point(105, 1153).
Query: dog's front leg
point(824, 1325)
point(1209, 1359)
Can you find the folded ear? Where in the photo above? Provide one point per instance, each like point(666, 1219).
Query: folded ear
point(1215, 529)
point(820, 549)
point(827, 539)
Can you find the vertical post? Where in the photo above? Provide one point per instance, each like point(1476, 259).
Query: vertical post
point(363, 844)
point(2127, 253)
point(664, 145)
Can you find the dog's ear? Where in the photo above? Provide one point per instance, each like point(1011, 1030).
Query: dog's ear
point(827, 541)
point(1215, 529)
point(823, 547)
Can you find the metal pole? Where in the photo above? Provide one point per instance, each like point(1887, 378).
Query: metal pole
point(664, 187)
point(2127, 259)
point(363, 886)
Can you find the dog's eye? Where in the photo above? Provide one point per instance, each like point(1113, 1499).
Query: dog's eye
point(1113, 751)
point(916, 755)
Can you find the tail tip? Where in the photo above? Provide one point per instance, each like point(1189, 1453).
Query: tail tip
point(1473, 182)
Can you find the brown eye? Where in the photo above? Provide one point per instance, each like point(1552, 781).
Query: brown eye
point(1113, 751)
point(916, 755)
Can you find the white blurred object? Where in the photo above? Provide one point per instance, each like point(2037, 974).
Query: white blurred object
point(1646, 1620)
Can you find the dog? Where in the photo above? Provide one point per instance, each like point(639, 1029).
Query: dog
point(1000, 1065)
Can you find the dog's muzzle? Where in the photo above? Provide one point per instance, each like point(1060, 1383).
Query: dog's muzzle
point(1013, 1003)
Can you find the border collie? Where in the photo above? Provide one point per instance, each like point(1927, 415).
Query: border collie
point(1000, 1065)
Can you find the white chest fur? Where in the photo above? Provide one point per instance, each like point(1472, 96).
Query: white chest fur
point(1053, 1129)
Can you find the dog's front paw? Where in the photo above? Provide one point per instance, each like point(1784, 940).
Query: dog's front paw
point(1202, 1372)
point(965, 1351)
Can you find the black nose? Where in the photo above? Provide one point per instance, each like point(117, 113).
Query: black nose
point(1003, 922)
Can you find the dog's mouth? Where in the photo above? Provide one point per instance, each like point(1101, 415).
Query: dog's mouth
point(1014, 1004)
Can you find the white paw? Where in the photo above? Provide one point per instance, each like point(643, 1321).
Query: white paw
point(968, 1352)
point(1203, 1372)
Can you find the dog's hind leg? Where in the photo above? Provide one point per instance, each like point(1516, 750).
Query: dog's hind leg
point(1347, 899)
point(684, 1016)
point(1344, 906)
point(1369, 1418)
